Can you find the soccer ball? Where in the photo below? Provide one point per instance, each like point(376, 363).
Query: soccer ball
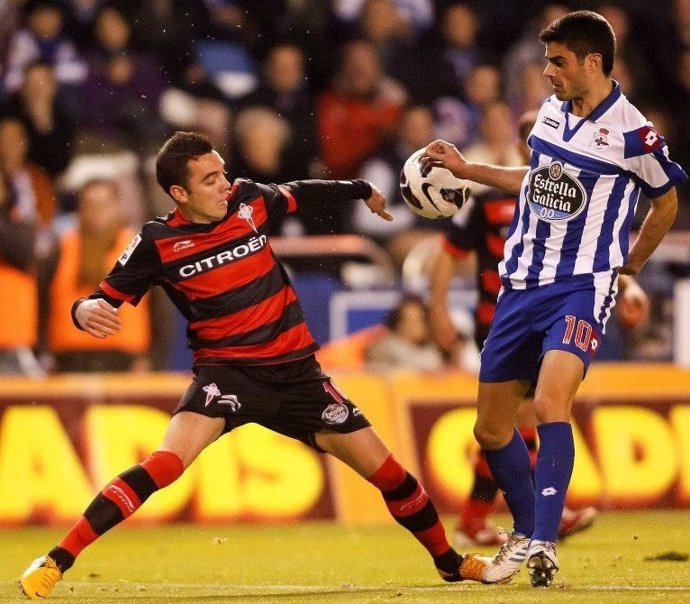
point(434, 192)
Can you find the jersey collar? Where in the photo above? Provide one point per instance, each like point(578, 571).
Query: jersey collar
point(601, 108)
point(595, 114)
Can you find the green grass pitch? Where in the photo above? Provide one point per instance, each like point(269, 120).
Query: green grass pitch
point(326, 562)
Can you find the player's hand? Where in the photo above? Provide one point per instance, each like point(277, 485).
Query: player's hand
point(98, 318)
point(633, 303)
point(443, 331)
point(446, 155)
point(377, 203)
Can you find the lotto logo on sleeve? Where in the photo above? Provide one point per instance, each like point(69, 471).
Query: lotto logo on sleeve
point(651, 140)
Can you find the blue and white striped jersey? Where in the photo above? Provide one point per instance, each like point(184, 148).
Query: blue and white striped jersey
point(578, 199)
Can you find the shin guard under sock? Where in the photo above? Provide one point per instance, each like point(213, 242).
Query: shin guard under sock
point(120, 498)
point(552, 476)
point(511, 470)
point(411, 507)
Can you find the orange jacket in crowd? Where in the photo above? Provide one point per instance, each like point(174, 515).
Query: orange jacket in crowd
point(18, 307)
point(63, 336)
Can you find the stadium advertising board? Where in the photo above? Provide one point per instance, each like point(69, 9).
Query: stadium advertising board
point(62, 439)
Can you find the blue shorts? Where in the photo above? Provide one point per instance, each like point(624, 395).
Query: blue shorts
point(566, 315)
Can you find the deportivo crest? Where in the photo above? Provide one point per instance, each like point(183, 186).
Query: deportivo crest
point(245, 213)
point(131, 246)
point(335, 413)
point(554, 195)
point(600, 139)
point(212, 392)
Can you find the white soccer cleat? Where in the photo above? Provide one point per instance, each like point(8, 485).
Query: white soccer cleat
point(508, 559)
point(542, 562)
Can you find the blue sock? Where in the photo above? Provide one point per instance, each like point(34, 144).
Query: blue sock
point(552, 475)
point(510, 467)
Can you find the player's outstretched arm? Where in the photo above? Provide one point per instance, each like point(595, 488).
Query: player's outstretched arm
point(97, 317)
point(656, 224)
point(446, 155)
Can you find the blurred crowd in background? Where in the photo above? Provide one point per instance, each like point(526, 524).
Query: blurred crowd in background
point(286, 90)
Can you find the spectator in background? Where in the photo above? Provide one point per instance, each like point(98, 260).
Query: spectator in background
point(459, 26)
point(498, 141)
point(532, 89)
point(358, 112)
point(383, 24)
point(261, 139)
point(460, 119)
point(122, 91)
point(407, 343)
point(284, 88)
point(528, 50)
point(35, 193)
point(398, 236)
point(356, 118)
point(42, 36)
point(85, 252)
point(19, 288)
point(48, 123)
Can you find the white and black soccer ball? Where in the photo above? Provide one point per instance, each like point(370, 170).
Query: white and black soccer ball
point(433, 192)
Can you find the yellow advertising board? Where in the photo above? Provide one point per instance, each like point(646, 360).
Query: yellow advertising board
point(63, 438)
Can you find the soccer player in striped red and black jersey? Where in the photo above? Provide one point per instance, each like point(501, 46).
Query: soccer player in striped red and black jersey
point(253, 354)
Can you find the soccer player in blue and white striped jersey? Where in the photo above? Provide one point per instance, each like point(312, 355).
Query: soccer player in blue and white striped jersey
point(592, 155)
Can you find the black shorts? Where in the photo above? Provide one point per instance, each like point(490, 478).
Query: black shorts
point(295, 398)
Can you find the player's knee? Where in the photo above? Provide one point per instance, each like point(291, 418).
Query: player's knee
point(549, 409)
point(491, 436)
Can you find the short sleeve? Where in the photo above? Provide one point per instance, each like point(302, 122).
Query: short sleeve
point(649, 161)
point(135, 271)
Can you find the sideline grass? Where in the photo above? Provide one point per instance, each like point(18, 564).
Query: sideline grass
point(325, 562)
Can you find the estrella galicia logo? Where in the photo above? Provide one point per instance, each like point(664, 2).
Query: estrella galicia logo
point(335, 413)
point(554, 195)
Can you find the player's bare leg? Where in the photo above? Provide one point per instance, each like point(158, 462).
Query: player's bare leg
point(187, 435)
point(405, 498)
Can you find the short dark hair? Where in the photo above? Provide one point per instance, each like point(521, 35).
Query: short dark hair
point(171, 163)
point(584, 32)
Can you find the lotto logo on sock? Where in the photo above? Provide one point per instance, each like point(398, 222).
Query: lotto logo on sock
point(549, 491)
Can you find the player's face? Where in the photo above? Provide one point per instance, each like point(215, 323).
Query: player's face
point(205, 197)
point(569, 77)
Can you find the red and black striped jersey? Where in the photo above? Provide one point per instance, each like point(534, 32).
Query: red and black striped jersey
point(482, 228)
point(223, 276)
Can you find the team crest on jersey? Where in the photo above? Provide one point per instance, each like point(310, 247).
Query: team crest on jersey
point(212, 392)
point(245, 213)
point(335, 413)
point(554, 195)
point(600, 139)
point(127, 254)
